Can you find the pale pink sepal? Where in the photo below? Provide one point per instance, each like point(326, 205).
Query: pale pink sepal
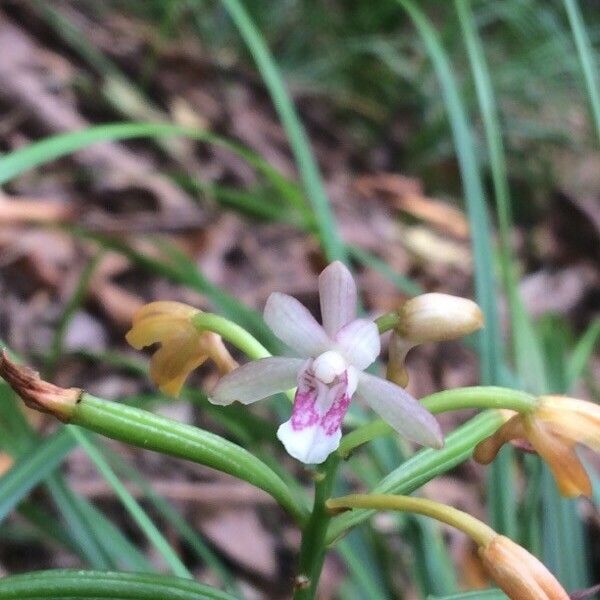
point(359, 343)
point(403, 412)
point(338, 295)
point(257, 379)
point(293, 324)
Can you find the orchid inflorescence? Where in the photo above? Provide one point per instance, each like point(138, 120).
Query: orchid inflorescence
point(327, 365)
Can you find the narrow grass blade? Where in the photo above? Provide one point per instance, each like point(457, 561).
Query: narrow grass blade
point(32, 469)
point(331, 242)
point(490, 339)
point(433, 568)
point(581, 354)
point(587, 59)
point(104, 584)
point(527, 352)
point(86, 539)
point(172, 516)
point(122, 553)
point(136, 512)
point(490, 344)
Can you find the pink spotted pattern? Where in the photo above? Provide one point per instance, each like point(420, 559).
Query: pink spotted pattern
point(332, 419)
point(305, 413)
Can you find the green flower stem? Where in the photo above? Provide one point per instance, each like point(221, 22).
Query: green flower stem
point(231, 332)
point(424, 466)
point(388, 321)
point(235, 335)
point(312, 550)
point(481, 533)
point(483, 397)
point(100, 584)
point(153, 432)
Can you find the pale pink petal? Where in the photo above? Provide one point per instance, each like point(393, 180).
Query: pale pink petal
point(315, 427)
point(257, 379)
point(293, 324)
point(359, 342)
point(337, 292)
point(400, 410)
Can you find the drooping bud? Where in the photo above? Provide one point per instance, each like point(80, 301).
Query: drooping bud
point(518, 573)
point(37, 393)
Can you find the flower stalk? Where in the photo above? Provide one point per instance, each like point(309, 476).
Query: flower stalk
point(517, 572)
point(478, 397)
point(313, 549)
point(232, 333)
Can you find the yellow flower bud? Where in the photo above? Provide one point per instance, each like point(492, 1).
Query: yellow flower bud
point(438, 317)
point(518, 573)
point(183, 347)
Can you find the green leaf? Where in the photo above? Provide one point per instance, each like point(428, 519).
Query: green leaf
point(587, 59)
point(153, 432)
point(490, 347)
point(137, 513)
point(307, 165)
point(424, 466)
point(581, 354)
point(32, 469)
point(82, 585)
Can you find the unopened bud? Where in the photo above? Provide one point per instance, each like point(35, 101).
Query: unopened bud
point(438, 317)
point(518, 573)
point(37, 393)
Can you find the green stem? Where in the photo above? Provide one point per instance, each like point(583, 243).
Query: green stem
point(154, 432)
point(424, 466)
point(388, 321)
point(483, 397)
point(312, 550)
point(231, 332)
point(481, 533)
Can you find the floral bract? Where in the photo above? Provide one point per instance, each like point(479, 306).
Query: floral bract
point(328, 371)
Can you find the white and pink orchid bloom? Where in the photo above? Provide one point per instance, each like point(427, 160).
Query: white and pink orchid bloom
point(328, 372)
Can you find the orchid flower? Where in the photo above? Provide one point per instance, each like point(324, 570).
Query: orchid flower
point(553, 429)
point(183, 347)
point(328, 370)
